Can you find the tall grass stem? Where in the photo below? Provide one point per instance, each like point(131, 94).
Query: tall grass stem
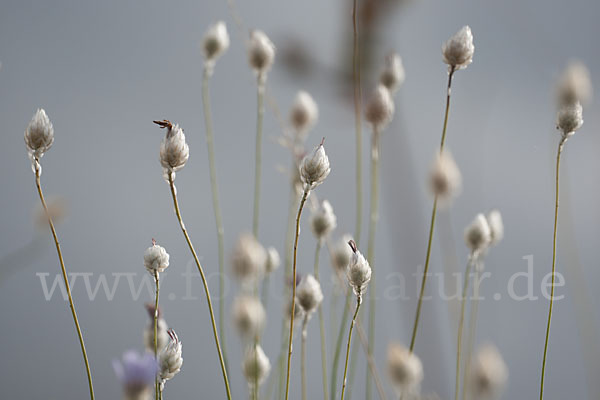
point(260, 110)
point(321, 324)
point(461, 321)
point(358, 302)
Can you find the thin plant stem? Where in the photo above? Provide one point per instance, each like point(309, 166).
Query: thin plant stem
point(461, 323)
point(433, 214)
point(358, 302)
point(354, 362)
point(216, 205)
point(260, 110)
point(156, 384)
point(471, 338)
point(338, 345)
point(303, 356)
point(204, 282)
point(293, 309)
point(321, 325)
point(357, 118)
point(65, 279)
point(374, 216)
point(558, 154)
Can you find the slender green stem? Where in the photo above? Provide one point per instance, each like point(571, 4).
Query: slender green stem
point(260, 110)
point(433, 214)
point(65, 279)
point(156, 384)
point(358, 302)
point(216, 204)
point(357, 118)
point(204, 282)
point(293, 309)
point(321, 325)
point(471, 337)
point(303, 356)
point(461, 323)
point(558, 154)
point(338, 345)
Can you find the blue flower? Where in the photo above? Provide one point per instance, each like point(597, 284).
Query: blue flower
point(136, 372)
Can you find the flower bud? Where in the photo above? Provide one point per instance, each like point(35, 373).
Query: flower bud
point(478, 234)
point(323, 220)
point(273, 260)
point(380, 107)
point(249, 316)
point(304, 113)
point(570, 118)
point(342, 253)
point(404, 369)
point(575, 85)
point(156, 258)
point(256, 366)
point(174, 151)
point(445, 180)
point(309, 294)
point(458, 51)
point(494, 219)
point(249, 259)
point(261, 52)
point(488, 374)
point(216, 41)
point(170, 359)
point(314, 168)
point(358, 271)
point(392, 76)
point(39, 134)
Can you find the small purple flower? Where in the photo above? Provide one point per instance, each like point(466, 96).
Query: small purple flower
point(136, 372)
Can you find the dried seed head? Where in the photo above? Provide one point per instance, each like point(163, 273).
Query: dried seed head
point(404, 369)
point(170, 359)
point(273, 260)
point(309, 294)
point(488, 374)
point(39, 134)
point(136, 374)
point(314, 167)
point(458, 51)
point(174, 151)
point(358, 271)
point(570, 118)
point(342, 253)
point(575, 85)
point(445, 179)
point(380, 107)
point(261, 52)
point(494, 219)
point(249, 316)
point(256, 366)
point(323, 220)
point(156, 258)
point(216, 41)
point(392, 76)
point(478, 234)
point(304, 113)
point(249, 259)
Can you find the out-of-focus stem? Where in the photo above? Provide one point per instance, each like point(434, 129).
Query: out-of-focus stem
point(461, 323)
point(321, 324)
point(260, 110)
point(471, 337)
point(303, 356)
point(357, 117)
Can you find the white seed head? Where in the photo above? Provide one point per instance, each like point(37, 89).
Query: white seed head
point(156, 258)
point(342, 253)
point(380, 107)
point(304, 113)
point(249, 259)
point(309, 294)
point(358, 271)
point(404, 369)
point(488, 374)
point(261, 52)
point(323, 221)
point(39, 134)
point(393, 75)
point(575, 85)
point(216, 41)
point(256, 365)
point(494, 219)
point(273, 260)
point(570, 118)
point(445, 180)
point(314, 167)
point(249, 316)
point(170, 359)
point(458, 51)
point(478, 234)
point(174, 151)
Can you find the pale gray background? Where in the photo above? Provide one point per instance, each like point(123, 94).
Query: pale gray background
point(104, 70)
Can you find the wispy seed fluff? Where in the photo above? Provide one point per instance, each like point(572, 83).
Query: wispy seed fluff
point(170, 359)
point(488, 374)
point(404, 369)
point(458, 51)
point(256, 366)
point(342, 253)
point(478, 234)
point(304, 113)
point(174, 151)
point(261, 52)
point(358, 271)
point(162, 337)
point(494, 219)
point(314, 168)
point(445, 179)
point(380, 107)
point(216, 41)
point(323, 221)
point(249, 316)
point(156, 258)
point(273, 260)
point(570, 119)
point(309, 294)
point(575, 85)
point(39, 134)
point(393, 75)
point(249, 259)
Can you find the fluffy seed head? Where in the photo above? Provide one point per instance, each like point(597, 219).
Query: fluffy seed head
point(39, 134)
point(404, 369)
point(323, 220)
point(575, 85)
point(478, 234)
point(174, 151)
point(249, 259)
point(380, 107)
point(358, 271)
point(216, 41)
point(304, 113)
point(156, 258)
point(309, 294)
point(458, 51)
point(170, 359)
point(256, 365)
point(261, 52)
point(249, 316)
point(342, 253)
point(494, 219)
point(392, 76)
point(445, 179)
point(314, 167)
point(488, 374)
point(273, 260)
point(570, 118)
point(136, 373)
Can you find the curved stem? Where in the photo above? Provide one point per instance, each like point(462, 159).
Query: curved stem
point(461, 323)
point(207, 292)
point(357, 115)
point(66, 280)
point(338, 345)
point(358, 302)
point(303, 356)
point(558, 154)
point(216, 206)
point(156, 384)
point(293, 310)
point(321, 325)
point(260, 110)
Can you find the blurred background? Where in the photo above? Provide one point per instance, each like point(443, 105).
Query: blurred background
point(104, 70)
